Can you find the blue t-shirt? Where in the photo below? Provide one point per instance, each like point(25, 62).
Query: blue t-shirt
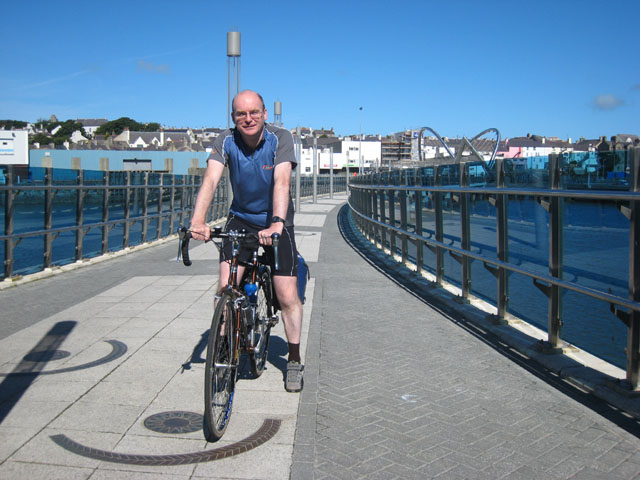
point(251, 173)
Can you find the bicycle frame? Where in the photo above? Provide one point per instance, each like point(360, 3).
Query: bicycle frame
point(233, 286)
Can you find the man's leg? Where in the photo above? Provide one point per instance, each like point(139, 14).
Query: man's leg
point(287, 292)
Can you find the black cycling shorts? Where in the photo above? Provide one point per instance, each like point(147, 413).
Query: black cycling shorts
point(287, 251)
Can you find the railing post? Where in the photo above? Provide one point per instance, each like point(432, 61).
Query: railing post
point(419, 246)
point(502, 241)
point(298, 152)
point(159, 207)
point(331, 173)
point(172, 204)
point(465, 234)
point(185, 180)
point(633, 334)
point(556, 248)
point(8, 223)
point(105, 212)
point(392, 221)
point(403, 225)
point(375, 215)
point(48, 213)
point(439, 228)
point(145, 206)
point(79, 215)
point(383, 219)
point(315, 170)
point(127, 209)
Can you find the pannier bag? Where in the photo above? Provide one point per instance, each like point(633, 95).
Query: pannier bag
point(303, 277)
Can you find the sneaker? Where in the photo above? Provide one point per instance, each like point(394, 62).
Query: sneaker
point(294, 381)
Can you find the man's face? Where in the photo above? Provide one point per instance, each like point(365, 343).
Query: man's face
point(249, 115)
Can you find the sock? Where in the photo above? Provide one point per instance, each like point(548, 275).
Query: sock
point(294, 352)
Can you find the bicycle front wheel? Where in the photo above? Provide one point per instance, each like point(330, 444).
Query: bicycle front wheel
point(262, 329)
point(220, 370)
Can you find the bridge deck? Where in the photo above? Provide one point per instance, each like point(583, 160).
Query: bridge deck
point(396, 385)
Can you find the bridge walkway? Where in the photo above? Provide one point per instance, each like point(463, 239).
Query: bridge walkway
point(102, 378)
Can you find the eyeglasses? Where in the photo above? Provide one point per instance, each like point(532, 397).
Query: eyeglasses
point(254, 114)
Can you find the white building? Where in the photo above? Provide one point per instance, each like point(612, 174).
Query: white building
point(90, 125)
point(157, 139)
point(346, 151)
point(14, 147)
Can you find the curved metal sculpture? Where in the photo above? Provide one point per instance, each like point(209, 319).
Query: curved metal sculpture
point(464, 139)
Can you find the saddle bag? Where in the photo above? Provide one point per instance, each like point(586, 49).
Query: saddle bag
point(303, 276)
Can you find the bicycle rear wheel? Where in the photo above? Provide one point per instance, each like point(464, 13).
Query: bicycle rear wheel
point(220, 371)
point(262, 328)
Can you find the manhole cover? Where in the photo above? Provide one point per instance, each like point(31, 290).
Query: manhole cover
point(46, 355)
point(174, 422)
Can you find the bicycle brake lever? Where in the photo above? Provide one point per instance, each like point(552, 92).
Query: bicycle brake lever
point(275, 237)
point(181, 232)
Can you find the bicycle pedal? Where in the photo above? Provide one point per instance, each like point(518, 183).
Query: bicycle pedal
point(273, 321)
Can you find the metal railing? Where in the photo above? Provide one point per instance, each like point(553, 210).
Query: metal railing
point(320, 185)
point(117, 200)
point(42, 208)
point(377, 204)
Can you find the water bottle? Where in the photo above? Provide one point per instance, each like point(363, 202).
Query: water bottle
point(251, 290)
point(249, 310)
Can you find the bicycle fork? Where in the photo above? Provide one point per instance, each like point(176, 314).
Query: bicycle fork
point(234, 360)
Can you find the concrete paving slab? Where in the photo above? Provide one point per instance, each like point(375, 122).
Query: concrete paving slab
point(129, 475)
point(41, 450)
point(44, 472)
point(13, 438)
point(133, 393)
point(267, 462)
point(309, 220)
point(99, 416)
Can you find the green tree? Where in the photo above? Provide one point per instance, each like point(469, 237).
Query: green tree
point(41, 138)
point(67, 128)
point(9, 124)
point(116, 127)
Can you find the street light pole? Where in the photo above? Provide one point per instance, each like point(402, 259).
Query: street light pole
point(360, 145)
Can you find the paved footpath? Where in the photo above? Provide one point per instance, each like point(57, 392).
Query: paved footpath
point(102, 378)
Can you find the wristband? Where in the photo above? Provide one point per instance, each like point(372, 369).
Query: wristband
point(277, 219)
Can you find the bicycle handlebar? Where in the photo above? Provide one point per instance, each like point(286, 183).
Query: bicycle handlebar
point(184, 235)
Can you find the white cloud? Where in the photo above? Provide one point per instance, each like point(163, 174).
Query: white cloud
point(607, 101)
point(144, 66)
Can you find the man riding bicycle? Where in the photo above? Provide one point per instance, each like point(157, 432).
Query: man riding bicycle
point(260, 158)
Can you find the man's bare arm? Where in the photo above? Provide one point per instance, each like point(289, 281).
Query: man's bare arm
point(212, 176)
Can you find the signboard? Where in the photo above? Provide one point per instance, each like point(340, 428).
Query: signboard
point(14, 147)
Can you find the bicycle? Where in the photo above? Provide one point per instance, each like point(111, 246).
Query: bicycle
point(244, 314)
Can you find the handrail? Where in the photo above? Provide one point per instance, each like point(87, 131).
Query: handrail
point(506, 265)
point(369, 200)
point(175, 195)
point(180, 205)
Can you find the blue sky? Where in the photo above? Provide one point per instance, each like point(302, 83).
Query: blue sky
point(563, 68)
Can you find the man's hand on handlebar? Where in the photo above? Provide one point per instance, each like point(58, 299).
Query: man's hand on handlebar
point(264, 236)
point(200, 231)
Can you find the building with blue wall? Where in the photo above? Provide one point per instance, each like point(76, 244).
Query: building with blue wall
point(178, 163)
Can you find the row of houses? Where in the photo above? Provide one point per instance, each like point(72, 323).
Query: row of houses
point(355, 152)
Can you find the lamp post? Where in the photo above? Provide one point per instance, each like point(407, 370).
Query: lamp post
point(360, 145)
point(233, 86)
